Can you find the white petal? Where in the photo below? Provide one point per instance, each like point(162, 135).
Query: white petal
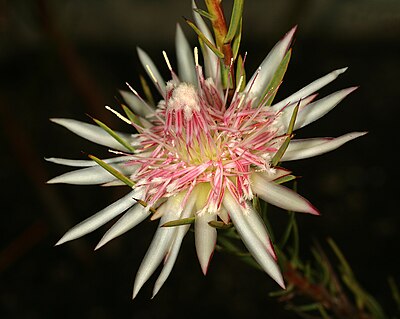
point(174, 250)
point(93, 133)
point(309, 89)
point(251, 240)
point(280, 196)
point(184, 55)
point(260, 79)
point(159, 246)
point(305, 148)
point(223, 214)
point(99, 219)
point(86, 163)
point(170, 261)
point(276, 173)
point(92, 175)
point(211, 62)
point(319, 108)
point(130, 219)
point(138, 107)
point(257, 225)
point(148, 63)
point(205, 238)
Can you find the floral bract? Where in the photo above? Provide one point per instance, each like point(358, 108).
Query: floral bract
point(202, 154)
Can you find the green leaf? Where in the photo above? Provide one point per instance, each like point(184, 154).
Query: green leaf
point(395, 291)
point(307, 308)
point(285, 179)
point(282, 292)
point(113, 171)
point(118, 138)
point(225, 76)
point(288, 230)
point(144, 204)
point(147, 91)
point(220, 224)
point(179, 222)
point(231, 248)
point(346, 269)
point(132, 117)
point(262, 209)
point(235, 22)
point(296, 246)
point(203, 13)
point(323, 263)
point(236, 42)
point(272, 87)
point(278, 155)
point(240, 72)
point(205, 40)
point(363, 299)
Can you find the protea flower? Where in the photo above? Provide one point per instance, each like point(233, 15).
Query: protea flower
point(201, 155)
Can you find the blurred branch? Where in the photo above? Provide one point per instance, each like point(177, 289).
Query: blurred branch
point(30, 164)
point(74, 66)
point(314, 290)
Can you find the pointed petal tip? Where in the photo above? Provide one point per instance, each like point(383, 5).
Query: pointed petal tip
point(204, 268)
point(314, 211)
point(342, 70)
point(61, 241)
point(99, 245)
point(350, 90)
point(135, 291)
point(354, 135)
point(156, 289)
point(290, 34)
point(281, 283)
point(56, 120)
point(293, 29)
point(205, 263)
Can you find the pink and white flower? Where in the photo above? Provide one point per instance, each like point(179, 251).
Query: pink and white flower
point(204, 154)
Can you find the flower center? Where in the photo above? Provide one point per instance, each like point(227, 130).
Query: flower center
point(189, 129)
point(198, 139)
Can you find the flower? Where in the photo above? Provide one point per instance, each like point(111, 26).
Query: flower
point(201, 155)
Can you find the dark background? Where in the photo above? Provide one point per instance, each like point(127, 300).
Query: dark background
point(68, 58)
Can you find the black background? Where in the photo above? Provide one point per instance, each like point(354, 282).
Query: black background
point(68, 58)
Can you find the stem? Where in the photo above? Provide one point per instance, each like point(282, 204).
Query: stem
point(220, 29)
point(339, 305)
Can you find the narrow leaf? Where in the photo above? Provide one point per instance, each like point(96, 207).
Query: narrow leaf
point(205, 40)
point(203, 13)
point(278, 155)
point(288, 230)
point(240, 72)
point(179, 222)
point(144, 204)
point(285, 179)
point(118, 138)
point(395, 291)
point(113, 171)
point(219, 224)
point(346, 269)
point(147, 91)
point(236, 18)
point(277, 78)
point(236, 41)
point(132, 117)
